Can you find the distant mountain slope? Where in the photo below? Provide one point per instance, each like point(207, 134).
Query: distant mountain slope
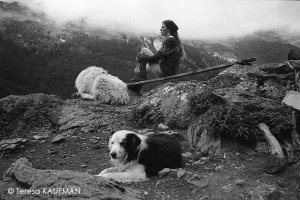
point(265, 46)
point(264, 51)
point(36, 55)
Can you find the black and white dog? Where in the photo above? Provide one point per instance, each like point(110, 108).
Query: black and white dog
point(136, 157)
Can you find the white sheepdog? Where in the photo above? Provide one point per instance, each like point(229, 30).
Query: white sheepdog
point(95, 83)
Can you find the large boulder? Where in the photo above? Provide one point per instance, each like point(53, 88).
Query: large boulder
point(23, 181)
point(28, 114)
point(179, 104)
point(170, 103)
point(292, 99)
point(167, 103)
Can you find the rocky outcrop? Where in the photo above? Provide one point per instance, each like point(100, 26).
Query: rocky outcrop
point(238, 89)
point(10, 145)
point(29, 114)
point(40, 115)
point(52, 130)
point(167, 103)
point(236, 111)
point(23, 181)
point(179, 104)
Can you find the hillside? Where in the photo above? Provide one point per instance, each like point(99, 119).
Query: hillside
point(38, 55)
point(266, 46)
point(223, 121)
point(48, 142)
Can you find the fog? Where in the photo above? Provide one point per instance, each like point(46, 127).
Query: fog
point(196, 19)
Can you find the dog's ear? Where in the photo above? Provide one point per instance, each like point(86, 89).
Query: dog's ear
point(132, 143)
point(133, 140)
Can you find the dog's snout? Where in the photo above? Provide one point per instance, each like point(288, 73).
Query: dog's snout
point(113, 154)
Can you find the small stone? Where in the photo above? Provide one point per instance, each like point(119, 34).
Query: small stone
point(92, 171)
point(94, 141)
point(292, 99)
point(240, 182)
point(164, 172)
point(83, 166)
point(181, 173)
point(204, 159)
point(6, 179)
point(198, 181)
point(9, 145)
point(158, 182)
point(32, 151)
point(219, 168)
point(58, 138)
point(198, 162)
point(162, 127)
point(104, 124)
point(53, 151)
point(228, 187)
point(187, 154)
point(144, 131)
point(40, 137)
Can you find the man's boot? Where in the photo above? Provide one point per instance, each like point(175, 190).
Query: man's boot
point(141, 74)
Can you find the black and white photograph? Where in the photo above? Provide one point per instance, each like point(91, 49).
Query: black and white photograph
point(150, 100)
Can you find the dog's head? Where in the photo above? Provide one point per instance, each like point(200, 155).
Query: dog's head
point(124, 146)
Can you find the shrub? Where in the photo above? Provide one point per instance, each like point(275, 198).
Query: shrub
point(200, 101)
point(240, 120)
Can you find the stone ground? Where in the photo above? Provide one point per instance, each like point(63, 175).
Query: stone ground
point(236, 174)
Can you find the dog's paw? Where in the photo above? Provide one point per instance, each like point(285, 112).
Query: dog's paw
point(109, 176)
point(104, 175)
point(108, 170)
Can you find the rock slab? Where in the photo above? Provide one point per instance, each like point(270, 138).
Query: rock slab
point(23, 181)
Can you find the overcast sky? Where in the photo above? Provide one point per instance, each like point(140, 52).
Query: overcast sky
point(197, 19)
